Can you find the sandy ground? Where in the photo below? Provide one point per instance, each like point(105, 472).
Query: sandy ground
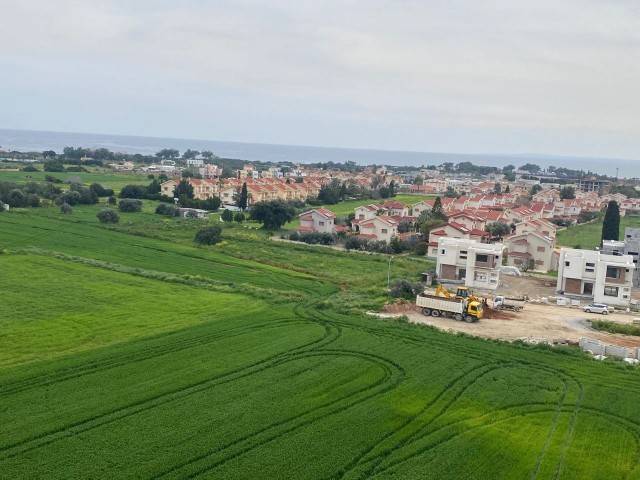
point(538, 322)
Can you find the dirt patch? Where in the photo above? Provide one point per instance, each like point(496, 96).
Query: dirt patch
point(491, 314)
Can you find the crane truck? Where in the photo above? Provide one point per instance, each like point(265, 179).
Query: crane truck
point(516, 304)
point(457, 308)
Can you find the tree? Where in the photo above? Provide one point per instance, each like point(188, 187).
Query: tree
point(535, 189)
point(611, 223)
point(168, 153)
point(392, 188)
point(227, 215)
point(243, 197)
point(183, 188)
point(130, 205)
point(208, 154)
point(530, 167)
point(498, 229)
point(426, 226)
point(437, 211)
point(508, 168)
point(108, 216)
point(66, 208)
point(133, 191)
point(209, 235)
point(507, 190)
point(190, 153)
point(404, 226)
point(99, 190)
point(567, 193)
point(168, 210)
point(510, 176)
point(48, 154)
point(53, 166)
point(497, 188)
point(154, 187)
point(239, 217)
point(273, 214)
point(112, 200)
point(450, 193)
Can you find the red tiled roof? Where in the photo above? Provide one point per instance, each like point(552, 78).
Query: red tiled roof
point(367, 235)
point(306, 217)
point(519, 254)
point(306, 229)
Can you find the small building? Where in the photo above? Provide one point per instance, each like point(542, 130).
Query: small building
point(317, 220)
point(595, 275)
point(193, 213)
point(396, 209)
point(5, 206)
point(475, 264)
point(382, 228)
point(194, 162)
point(530, 250)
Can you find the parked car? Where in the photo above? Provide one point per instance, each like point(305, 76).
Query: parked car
point(508, 270)
point(597, 308)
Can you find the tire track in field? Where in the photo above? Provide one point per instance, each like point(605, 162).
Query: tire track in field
point(77, 371)
point(394, 374)
point(95, 421)
point(370, 467)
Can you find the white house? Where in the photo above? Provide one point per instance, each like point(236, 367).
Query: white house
point(423, 206)
point(381, 228)
point(195, 162)
point(531, 250)
point(317, 220)
point(476, 264)
point(595, 275)
point(396, 209)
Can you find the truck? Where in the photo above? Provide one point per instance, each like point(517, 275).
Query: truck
point(457, 308)
point(512, 303)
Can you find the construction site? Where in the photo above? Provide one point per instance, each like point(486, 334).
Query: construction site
point(542, 320)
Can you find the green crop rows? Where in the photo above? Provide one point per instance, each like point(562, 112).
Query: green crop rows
point(129, 356)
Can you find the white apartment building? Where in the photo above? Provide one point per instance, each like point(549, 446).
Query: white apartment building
point(595, 275)
point(477, 264)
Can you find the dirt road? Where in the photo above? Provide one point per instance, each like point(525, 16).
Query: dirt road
point(536, 322)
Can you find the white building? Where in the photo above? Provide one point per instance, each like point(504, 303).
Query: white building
point(317, 220)
point(476, 264)
point(595, 275)
point(195, 162)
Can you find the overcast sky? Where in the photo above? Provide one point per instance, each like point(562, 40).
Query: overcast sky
point(490, 76)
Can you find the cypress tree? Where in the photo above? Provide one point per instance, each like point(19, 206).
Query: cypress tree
point(611, 223)
point(244, 197)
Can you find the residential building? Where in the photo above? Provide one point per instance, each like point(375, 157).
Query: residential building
point(595, 276)
point(531, 251)
point(382, 228)
point(475, 264)
point(629, 246)
point(317, 220)
point(396, 209)
point(194, 162)
point(423, 206)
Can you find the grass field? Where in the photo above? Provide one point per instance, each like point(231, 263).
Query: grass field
point(105, 176)
point(130, 353)
point(588, 235)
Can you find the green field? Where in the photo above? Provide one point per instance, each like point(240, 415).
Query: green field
point(588, 235)
point(342, 209)
point(105, 176)
point(128, 352)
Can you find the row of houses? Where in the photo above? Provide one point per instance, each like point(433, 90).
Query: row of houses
point(260, 189)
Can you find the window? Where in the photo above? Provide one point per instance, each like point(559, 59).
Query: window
point(442, 252)
point(566, 264)
point(591, 264)
point(384, 230)
point(587, 288)
point(539, 262)
point(611, 291)
point(613, 272)
point(482, 258)
point(541, 249)
point(321, 224)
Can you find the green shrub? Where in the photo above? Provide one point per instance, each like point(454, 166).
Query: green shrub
point(209, 235)
point(130, 205)
point(108, 216)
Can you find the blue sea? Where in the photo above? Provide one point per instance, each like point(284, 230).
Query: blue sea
point(27, 140)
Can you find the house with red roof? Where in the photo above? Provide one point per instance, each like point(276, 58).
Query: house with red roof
point(396, 209)
point(423, 206)
point(382, 228)
point(317, 220)
point(531, 251)
point(454, 230)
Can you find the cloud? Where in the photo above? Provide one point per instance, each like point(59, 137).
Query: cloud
point(506, 68)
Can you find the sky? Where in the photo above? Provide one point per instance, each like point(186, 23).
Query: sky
point(494, 76)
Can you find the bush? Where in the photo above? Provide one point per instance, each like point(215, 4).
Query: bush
point(53, 166)
point(239, 217)
point(108, 216)
point(421, 248)
point(209, 235)
point(52, 179)
point(314, 238)
point(168, 210)
point(355, 243)
point(227, 215)
point(403, 288)
point(30, 168)
point(133, 191)
point(112, 200)
point(130, 205)
point(66, 208)
point(100, 191)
